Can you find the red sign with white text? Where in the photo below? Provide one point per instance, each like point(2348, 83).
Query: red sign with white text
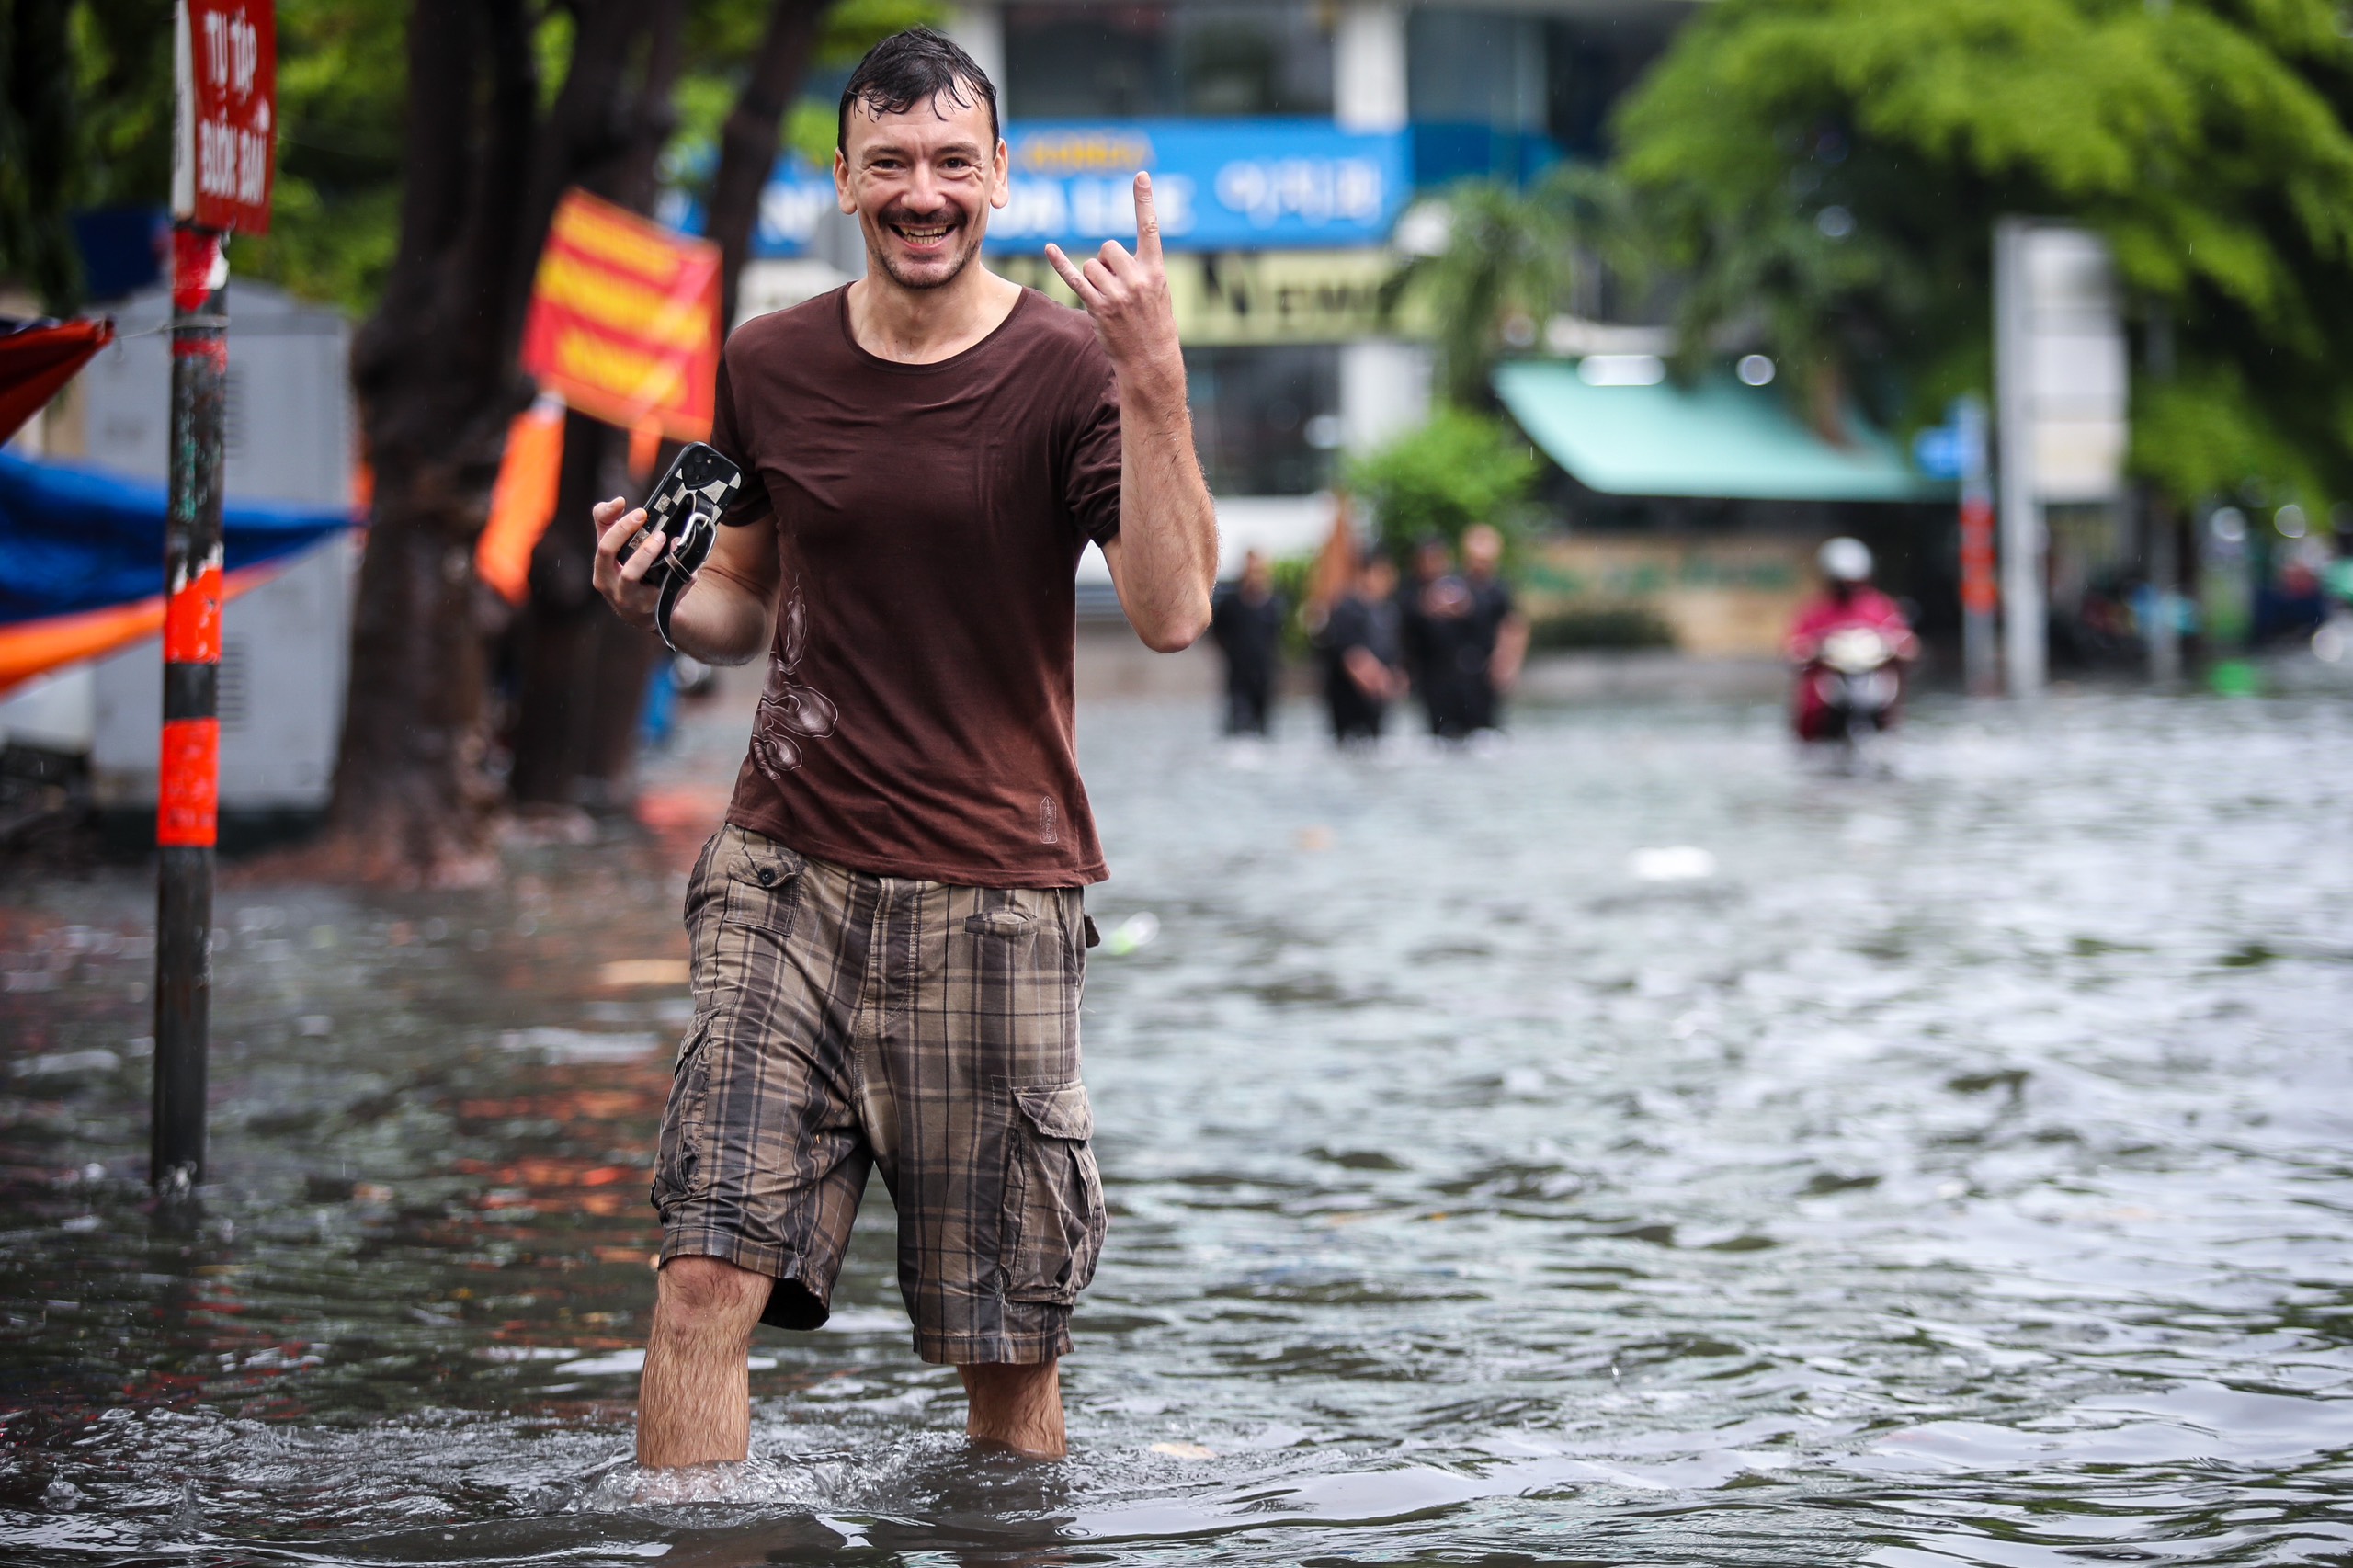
point(228, 113)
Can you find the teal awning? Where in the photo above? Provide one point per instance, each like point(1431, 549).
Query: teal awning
point(1718, 438)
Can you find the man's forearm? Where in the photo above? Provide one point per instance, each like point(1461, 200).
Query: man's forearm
point(720, 620)
point(1167, 523)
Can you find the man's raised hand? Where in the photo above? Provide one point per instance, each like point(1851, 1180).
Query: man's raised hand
point(1128, 295)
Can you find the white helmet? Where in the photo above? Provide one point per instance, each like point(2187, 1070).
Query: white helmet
point(1846, 561)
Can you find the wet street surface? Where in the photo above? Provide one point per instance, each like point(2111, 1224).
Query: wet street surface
point(1629, 1147)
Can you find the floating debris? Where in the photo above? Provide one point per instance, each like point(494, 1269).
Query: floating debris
point(1676, 863)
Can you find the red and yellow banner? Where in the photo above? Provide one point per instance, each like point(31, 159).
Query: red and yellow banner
point(624, 319)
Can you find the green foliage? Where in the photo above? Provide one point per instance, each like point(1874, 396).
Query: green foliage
point(1461, 468)
point(85, 121)
point(342, 85)
point(122, 87)
point(853, 26)
point(1505, 268)
point(36, 128)
point(1509, 265)
point(1294, 576)
point(722, 36)
point(720, 30)
point(335, 209)
point(1824, 174)
point(2205, 432)
point(810, 128)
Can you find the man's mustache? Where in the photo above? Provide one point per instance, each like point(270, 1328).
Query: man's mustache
point(951, 216)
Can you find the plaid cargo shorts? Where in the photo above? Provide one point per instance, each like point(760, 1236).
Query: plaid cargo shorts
point(845, 1020)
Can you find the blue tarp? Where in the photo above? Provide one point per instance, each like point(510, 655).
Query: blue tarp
point(79, 539)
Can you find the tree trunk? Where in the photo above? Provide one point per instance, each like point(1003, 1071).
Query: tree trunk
point(435, 391)
point(551, 719)
point(584, 672)
point(748, 142)
point(434, 370)
point(410, 796)
point(38, 71)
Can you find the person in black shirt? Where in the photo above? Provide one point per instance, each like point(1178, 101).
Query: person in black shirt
point(1496, 634)
point(1361, 657)
point(1424, 638)
point(1247, 622)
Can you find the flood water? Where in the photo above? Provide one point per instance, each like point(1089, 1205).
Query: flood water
point(1628, 1148)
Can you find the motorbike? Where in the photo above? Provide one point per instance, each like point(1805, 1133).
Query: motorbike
point(1852, 672)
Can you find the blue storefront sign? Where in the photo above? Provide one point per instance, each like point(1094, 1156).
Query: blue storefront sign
point(796, 201)
point(1218, 185)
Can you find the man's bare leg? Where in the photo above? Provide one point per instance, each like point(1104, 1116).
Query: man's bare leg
point(1016, 1407)
point(694, 1402)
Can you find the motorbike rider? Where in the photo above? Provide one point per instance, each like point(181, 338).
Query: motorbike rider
point(1848, 601)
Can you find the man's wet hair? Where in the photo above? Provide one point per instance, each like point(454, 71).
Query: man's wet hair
point(915, 67)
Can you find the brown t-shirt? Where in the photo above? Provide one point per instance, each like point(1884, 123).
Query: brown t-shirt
point(917, 720)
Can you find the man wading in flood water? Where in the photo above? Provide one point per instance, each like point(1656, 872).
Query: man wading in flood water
point(887, 934)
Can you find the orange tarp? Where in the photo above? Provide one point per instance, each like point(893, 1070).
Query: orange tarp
point(34, 647)
point(524, 501)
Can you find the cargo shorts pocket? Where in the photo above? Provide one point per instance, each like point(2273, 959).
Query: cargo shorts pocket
point(1053, 1197)
point(680, 1166)
point(1010, 923)
point(762, 888)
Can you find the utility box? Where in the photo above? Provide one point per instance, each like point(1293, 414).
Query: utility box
point(285, 646)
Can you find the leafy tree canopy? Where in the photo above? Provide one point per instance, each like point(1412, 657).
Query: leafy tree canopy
point(1461, 468)
point(1822, 175)
point(725, 31)
point(99, 127)
point(1509, 261)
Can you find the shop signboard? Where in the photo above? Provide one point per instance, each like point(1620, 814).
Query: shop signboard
point(1238, 298)
point(1250, 185)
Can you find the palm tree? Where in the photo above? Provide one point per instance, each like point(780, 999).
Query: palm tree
point(1510, 260)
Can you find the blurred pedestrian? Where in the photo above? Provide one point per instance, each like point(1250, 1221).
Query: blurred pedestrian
point(1431, 628)
point(1497, 646)
point(1247, 622)
point(1363, 669)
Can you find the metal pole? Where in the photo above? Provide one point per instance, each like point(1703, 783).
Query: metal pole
point(2024, 633)
point(2164, 592)
point(1980, 597)
point(2162, 532)
point(187, 815)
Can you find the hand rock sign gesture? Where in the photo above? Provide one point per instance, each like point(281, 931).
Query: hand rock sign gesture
point(1128, 295)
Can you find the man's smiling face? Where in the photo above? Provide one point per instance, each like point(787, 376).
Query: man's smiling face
point(922, 184)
